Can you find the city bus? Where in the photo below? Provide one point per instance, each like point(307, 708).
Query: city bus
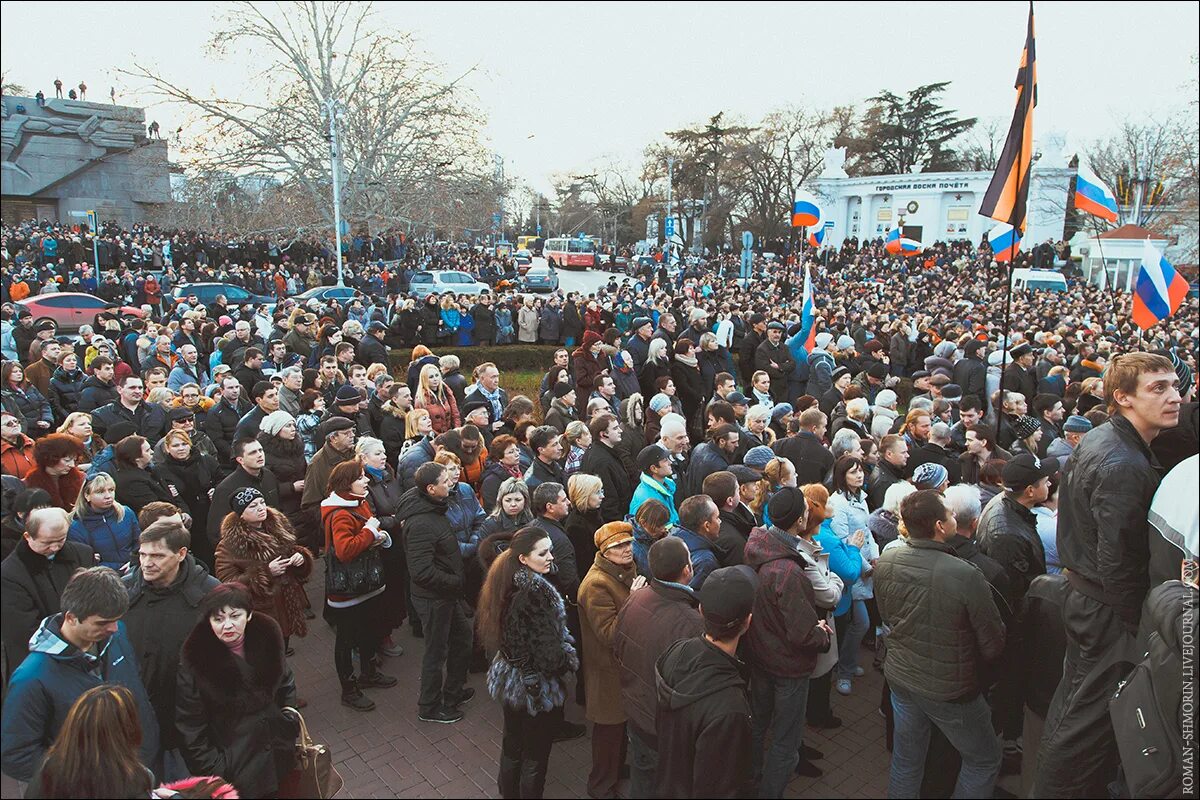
point(570, 253)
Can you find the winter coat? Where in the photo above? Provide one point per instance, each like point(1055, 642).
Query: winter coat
point(690, 388)
point(885, 475)
point(735, 532)
point(540, 472)
point(220, 424)
point(138, 488)
point(785, 639)
point(229, 711)
point(764, 355)
point(237, 480)
point(346, 537)
point(149, 421)
point(550, 325)
point(285, 460)
point(527, 325)
point(485, 322)
point(435, 562)
point(112, 539)
point(648, 623)
point(1007, 533)
point(537, 653)
point(845, 561)
point(191, 478)
point(65, 390)
point(971, 376)
point(47, 684)
point(604, 462)
point(850, 514)
point(17, 459)
point(466, 518)
point(158, 622)
point(944, 626)
point(820, 372)
point(650, 489)
point(703, 722)
point(572, 323)
point(94, 393)
point(29, 406)
point(32, 588)
point(410, 460)
point(587, 374)
point(63, 489)
point(648, 377)
point(564, 574)
point(707, 458)
point(443, 413)
point(812, 460)
point(703, 555)
point(602, 593)
point(244, 555)
point(1107, 486)
point(316, 478)
point(560, 415)
point(494, 474)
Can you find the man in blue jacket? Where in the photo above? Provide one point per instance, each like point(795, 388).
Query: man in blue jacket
point(83, 647)
point(699, 526)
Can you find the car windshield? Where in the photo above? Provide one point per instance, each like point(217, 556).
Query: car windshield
point(422, 277)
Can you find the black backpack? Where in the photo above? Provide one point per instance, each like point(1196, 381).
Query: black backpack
point(1146, 709)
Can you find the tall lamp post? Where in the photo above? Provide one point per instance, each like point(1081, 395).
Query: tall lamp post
point(670, 187)
point(333, 110)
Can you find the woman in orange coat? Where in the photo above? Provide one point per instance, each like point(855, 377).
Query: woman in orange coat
point(352, 532)
point(435, 396)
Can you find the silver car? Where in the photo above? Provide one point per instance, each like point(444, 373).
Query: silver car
point(540, 279)
point(427, 282)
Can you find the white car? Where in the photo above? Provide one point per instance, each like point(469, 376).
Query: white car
point(427, 282)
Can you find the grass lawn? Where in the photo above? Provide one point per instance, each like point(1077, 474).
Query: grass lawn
point(526, 383)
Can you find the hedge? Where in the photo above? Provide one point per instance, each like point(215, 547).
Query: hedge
point(507, 358)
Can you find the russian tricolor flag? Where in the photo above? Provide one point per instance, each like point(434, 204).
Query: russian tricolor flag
point(806, 212)
point(899, 245)
point(1004, 241)
point(1160, 289)
point(1092, 196)
point(817, 237)
point(808, 331)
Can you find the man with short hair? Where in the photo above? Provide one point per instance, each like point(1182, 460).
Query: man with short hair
point(371, 349)
point(648, 624)
point(161, 356)
point(782, 647)
point(699, 526)
point(438, 582)
point(98, 388)
point(805, 450)
point(747, 351)
point(1048, 410)
point(547, 449)
point(737, 520)
point(33, 577)
point(945, 629)
point(266, 401)
point(150, 421)
point(41, 371)
point(71, 652)
point(970, 415)
point(602, 460)
point(774, 358)
point(187, 370)
point(550, 508)
point(606, 390)
point(893, 456)
point(249, 469)
point(165, 590)
point(290, 388)
point(249, 373)
point(300, 339)
point(1103, 544)
point(234, 351)
point(715, 455)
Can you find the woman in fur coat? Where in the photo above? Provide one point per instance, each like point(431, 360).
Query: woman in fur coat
point(234, 683)
point(258, 549)
point(522, 618)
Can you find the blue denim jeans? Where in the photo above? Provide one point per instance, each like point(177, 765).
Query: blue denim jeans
point(643, 765)
point(848, 647)
point(968, 726)
point(778, 705)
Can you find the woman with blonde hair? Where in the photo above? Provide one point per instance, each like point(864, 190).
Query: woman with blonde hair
point(576, 440)
point(512, 511)
point(433, 395)
point(79, 425)
point(586, 493)
point(103, 524)
point(778, 473)
point(418, 424)
point(97, 750)
point(758, 423)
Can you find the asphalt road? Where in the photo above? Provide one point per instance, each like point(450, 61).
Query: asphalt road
point(585, 282)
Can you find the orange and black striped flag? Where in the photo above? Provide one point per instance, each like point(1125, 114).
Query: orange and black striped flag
point(1007, 195)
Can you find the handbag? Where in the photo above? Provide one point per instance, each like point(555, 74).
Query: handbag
point(314, 774)
point(362, 575)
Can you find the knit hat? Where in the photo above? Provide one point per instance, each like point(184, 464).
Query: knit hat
point(727, 597)
point(347, 394)
point(651, 455)
point(659, 403)
point(276, 421)
point(1077, 424)
point(995, 357)
point(845, 342)
point(878, 370)
point(119, 430)
point(945, 349)
point(1025, 426)
point(886, 398)
point(780, 411)
point(930, 476)
point(561, 390)
point(758, 458)
point(838, 372)
point(823, 339)
point(612, 534)
point(1183, 372)
point(787, 507)
point(873, 346)
point(242, 499)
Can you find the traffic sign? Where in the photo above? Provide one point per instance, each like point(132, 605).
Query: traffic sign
point(747, 240)
point(669, 227)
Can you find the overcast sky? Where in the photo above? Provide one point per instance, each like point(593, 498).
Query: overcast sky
point(592, 81)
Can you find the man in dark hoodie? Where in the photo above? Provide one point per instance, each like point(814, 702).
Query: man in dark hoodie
point(703, 715)
point(437, 577)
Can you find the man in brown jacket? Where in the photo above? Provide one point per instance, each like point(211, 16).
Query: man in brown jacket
point(338, 435)
point(647, 625)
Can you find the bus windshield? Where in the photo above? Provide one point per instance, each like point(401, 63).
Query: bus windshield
point(581, 246)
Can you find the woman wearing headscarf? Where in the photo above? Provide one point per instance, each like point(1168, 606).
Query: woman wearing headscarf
point(258, 548)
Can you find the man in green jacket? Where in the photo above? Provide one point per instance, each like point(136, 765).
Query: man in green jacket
point(944, 628)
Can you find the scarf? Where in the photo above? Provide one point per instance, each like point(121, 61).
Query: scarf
point(377, 474)
point(689, 361)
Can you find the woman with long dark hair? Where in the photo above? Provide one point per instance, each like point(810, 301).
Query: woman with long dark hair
point(24, 400)
point(138, 483)
point(96, 751)
point(522, 618)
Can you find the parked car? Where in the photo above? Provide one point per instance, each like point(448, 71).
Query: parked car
point(342, 295)
point(70, 310)
point(540, 279)
point(621, 264)
point(523, 259)
point(206, 293)
point(427, 282)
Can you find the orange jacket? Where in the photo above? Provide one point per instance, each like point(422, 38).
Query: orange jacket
point(17, 460)
point(343, 521)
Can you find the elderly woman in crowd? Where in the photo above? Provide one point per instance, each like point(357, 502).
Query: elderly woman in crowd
point(383, 496)
point(504, 462)
point(258, 549)
point(56, 456)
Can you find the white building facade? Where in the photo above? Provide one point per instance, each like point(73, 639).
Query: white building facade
point(936, 206)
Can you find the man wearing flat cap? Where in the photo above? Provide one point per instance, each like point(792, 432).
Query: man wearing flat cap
point(774, 358)
point(1019, 375)
point(641, 330)
point(337, 434)
point(703, 721)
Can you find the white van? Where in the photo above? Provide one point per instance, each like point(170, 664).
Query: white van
point(1039, 279)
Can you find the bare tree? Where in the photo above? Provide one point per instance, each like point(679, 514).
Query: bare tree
point(405, 132)
point(984, 144)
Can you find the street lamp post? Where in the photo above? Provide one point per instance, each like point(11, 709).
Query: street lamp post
point(333, 110)
point(670, 188)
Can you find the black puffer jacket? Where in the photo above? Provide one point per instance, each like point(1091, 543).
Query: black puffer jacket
point(944, 626)
point(1107, 486)
point(220, 423)
point(65, 391)
point(285, 460)
point(149, 420)
point(435, 562)
point(605, 463)
point(192, 478)
point(95, 393)
point(1008, 534)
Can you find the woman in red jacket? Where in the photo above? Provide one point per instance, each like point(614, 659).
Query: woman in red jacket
point(354, 582)
point(56, 456)
point(435, 396)
point(588, 369)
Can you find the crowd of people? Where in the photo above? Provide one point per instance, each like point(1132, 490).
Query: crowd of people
point(697, 527)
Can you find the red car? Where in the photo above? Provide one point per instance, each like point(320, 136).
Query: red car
point(70, 310)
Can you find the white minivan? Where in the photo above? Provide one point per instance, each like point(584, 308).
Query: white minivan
point(1039, 279)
